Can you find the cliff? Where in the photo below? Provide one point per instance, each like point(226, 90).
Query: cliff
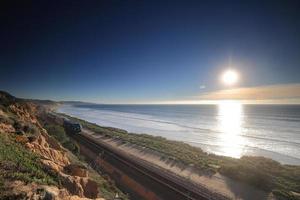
point(33, 165)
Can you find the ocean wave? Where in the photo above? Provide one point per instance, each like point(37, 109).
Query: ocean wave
point(185, 131)
point(148, 118)
point(256, 152)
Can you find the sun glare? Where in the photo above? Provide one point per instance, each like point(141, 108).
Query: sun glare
point(230, 77)
point(230, 118)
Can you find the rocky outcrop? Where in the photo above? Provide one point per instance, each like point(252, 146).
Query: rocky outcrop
point(54, 157)
point(83, 187)
point(76, 183)
point(20, 190)
point(76, 170)
point(6, 128)
point(25, 112)
point(5, 123)
point(52, 154)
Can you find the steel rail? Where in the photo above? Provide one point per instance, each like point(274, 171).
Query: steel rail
point(181, 187)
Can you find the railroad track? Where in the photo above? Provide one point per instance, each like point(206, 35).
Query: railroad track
point(177, 185)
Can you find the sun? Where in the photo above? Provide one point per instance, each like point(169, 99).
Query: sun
point(230, 77)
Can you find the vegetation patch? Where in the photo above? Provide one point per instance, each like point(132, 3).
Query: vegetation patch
point(60, 135)
point(18, 163)
point(264, 173)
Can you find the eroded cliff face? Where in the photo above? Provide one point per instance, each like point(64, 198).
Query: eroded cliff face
point(18, 122)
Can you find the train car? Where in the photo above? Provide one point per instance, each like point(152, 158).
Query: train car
point(72, 127)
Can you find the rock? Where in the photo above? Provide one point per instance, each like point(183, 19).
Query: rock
point(41, 146)
point(53, 193)
point(81, 186)
point(50, 165)
point(76, 170)
point(6, 128)
point(24, 111)
point(90, 188)
point(74, 177)
point(53, 143)
point(72, 184)
point(21, 139)
point(32, 191)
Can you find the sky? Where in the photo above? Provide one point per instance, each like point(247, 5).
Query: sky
point(150, 51)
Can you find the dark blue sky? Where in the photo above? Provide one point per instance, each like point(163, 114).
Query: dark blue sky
point(108, 51)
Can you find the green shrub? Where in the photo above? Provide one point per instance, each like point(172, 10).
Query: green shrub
point(60, 135)
point(30, 129)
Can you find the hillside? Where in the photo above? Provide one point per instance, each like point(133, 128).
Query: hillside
point(34, 165)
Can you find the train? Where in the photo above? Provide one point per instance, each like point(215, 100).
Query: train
point(72, 127)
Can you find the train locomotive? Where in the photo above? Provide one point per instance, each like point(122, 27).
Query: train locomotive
point(72, 127)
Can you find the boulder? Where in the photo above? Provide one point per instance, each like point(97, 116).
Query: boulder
point(90, 188)
point(83, 187)
point(76, 170)
point(21, 139)
point(6, 128)
point(21, 190)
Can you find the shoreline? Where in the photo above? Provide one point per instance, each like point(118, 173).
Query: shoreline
point(197, 139)
point(256, 172)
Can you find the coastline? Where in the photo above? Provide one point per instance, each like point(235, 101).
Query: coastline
point(256, 172)
point(202, 131)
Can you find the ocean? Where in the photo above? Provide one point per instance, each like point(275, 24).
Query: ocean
point(229, 128)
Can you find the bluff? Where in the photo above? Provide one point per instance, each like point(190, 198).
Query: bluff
point(33, 165)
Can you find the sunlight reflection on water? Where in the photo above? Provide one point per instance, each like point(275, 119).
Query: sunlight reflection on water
point(230, 122)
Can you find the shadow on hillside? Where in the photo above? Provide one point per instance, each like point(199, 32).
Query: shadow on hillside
point(244, 191)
